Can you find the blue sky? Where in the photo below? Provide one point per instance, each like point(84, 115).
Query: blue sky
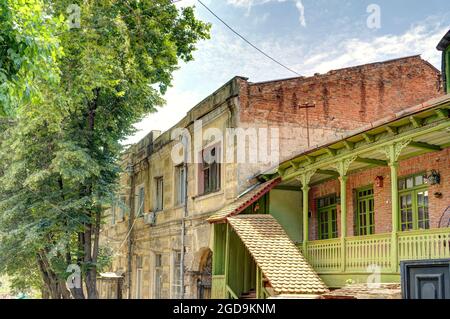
point(309, 36)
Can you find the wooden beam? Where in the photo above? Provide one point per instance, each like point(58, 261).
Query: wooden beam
point(328, 172)
point(349, 145)
point(330, 151)
point(442, 114)
point(288, 188)
point(310, 159)
point(416, 122)
point(371, 161)
point(392, 130)
point(281, 171)
point(295, 165)
point(369, 138)
point(425, 146)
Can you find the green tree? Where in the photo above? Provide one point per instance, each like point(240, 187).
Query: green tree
point(60, 158)
point(28, 49)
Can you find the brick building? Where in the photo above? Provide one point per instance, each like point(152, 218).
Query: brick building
point(355, 206)
point(160, 221)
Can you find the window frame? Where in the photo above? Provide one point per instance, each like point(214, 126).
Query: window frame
point(212, 183)
point(176, 275)
point(180, 184)
point(157, 289)
point(113, 214)
point(140, 202)
point(330, 209)
point(159, 193)
point(139, 277)
point(413, 191)
point(370, 226)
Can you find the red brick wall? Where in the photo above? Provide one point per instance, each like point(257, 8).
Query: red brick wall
point(344, 98)
point(439, 161)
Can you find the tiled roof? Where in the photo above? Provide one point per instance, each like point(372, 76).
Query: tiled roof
point(244, 201)
point(276, 255)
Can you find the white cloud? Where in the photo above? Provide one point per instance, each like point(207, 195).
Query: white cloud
point(224, 56)
point(421, 39)
point(301, 10)
point(250, 3)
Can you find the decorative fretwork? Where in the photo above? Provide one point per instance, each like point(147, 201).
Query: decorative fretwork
point(343, 166)
point(394, 150)
point(305, 178)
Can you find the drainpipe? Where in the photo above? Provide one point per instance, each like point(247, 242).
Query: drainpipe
point(185, 215)
point(130, 171)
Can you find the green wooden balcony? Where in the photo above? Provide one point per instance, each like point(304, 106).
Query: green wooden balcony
point(358, 254)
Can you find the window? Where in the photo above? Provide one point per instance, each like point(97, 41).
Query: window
point(159, 194)
point(122, 207)
point(113, 214)
point(365, 212)
point(158, 276)
point(139, 277)
point(180, 180)
point(209, 179)
point(413, 200)
point(327, 214)
point(176, 284)
point(140, 201)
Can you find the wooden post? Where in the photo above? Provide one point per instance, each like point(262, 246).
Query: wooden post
point(305, 190)
point(395, 217)
point(393, 152)
point(342, 168)
point(343, 184)
point(258, 283)
point(227, 260)
point(305, 179)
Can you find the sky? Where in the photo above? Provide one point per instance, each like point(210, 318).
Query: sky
point(308, 36)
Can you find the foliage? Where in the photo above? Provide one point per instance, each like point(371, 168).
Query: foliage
point(28, 49)
point(60, 157)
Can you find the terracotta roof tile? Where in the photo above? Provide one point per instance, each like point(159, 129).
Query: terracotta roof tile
point(276, 255)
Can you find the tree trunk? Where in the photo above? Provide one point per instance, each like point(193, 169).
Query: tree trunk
point(92, 229)
point(55, 286)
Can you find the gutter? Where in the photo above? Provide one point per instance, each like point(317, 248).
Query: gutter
point(130, 229)
point(186, 213)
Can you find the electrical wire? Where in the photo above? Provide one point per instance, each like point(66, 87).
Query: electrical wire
point(247, 41)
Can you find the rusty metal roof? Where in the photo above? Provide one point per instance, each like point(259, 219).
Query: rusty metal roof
point(276, 255)
point(241, 203)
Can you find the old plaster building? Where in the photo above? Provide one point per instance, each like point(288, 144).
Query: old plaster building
point(159, 231)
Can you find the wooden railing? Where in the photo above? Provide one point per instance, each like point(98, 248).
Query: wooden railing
point(361, 253)
point(218, 289)
point(430, 244)
point(233, 295)
point(325, 255)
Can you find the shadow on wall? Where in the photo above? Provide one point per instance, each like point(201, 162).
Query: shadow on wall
point(445, 219)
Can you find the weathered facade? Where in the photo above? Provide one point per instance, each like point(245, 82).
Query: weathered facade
point(163, 207)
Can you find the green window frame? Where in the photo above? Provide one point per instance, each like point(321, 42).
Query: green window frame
point(365, 221)
point(327, 217)
point(413, 203)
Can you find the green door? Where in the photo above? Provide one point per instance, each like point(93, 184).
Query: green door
point(327, 214)
point(365, 206)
